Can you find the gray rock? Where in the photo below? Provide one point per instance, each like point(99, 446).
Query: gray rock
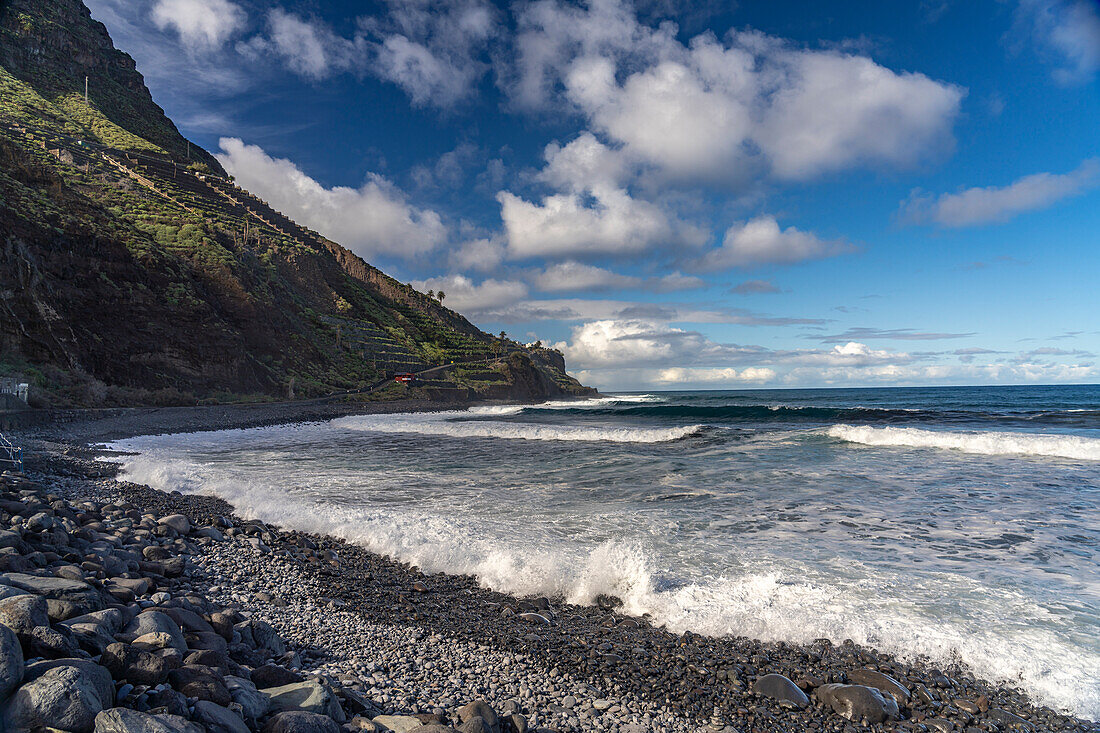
point(63, 697)
point(479, 709)
point(267, 638)
point(476, 724)
point(124, 720)
point(217, 719)
point(80, 594)
point(23, 613)
point(44, 641)
point(309, 696)
point(782, 689)
point(253, 703)
point(884, 683)
point(1012, 721)
point(11, 661)
point(6, 591)
point(299, 721)
point(96, 673)
point(152, 621)
point(201, 682)
point(110, 620)
point(434, 728)
point(177, 522)
point(858, 702)
point(397, 723)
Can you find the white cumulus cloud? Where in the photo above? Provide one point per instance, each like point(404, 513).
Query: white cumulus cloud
point(998, 204)
point(470, 298)
point(375, 218)
point(761, 241)
point(1067, 32)
point(726, 109)
point(201, 24)
point(431, 48)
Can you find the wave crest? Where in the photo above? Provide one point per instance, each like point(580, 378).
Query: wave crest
point(455, 425)
point(984, 443)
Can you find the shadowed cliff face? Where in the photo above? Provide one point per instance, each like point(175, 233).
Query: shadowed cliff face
point(130, 273)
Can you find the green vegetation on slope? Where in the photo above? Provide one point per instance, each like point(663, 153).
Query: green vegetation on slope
point(131, 273)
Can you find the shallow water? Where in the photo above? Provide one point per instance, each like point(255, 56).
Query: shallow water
point(961, 524)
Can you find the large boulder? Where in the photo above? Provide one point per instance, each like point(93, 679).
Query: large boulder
point(21, 613)
point(217, 719)
point(884, 683)
point(254, 704)
point(11, 661)
point(858, 702)
point(397, 723)
point(310, 696)
point(299, 721)
point(124, 720)
point(178, 522)
point(97, 674)
point(195, 680)
point(478, 709)
point(139, 666)
point(65, 698)
point(781, 689)
point(83, 596)
point(153, 621)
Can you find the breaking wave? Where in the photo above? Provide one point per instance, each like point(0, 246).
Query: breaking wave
point(458, 425)
point(984, 443)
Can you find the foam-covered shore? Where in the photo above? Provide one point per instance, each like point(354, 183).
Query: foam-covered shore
point(416, 641)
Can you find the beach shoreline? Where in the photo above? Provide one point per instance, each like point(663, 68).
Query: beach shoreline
point(561, 664)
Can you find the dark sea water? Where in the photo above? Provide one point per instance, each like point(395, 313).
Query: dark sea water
point(953, 523)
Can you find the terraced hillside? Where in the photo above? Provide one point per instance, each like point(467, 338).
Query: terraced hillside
point(133, 270)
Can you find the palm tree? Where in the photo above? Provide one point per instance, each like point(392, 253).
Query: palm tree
point(431, 293)
point(441, 295)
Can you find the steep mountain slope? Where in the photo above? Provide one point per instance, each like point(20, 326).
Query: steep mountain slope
point(132, 270)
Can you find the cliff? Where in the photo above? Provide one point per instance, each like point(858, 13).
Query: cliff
point(133, 271)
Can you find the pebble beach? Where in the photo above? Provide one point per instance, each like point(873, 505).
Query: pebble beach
point(256, 627)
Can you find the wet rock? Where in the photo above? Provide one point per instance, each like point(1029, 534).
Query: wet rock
point(217, 719)
point(299, 721)
point(781, 689)
point(1008, 720)
point(11, 661)
point(884, 683)
point(65, 698)
point(858, 702)
point(124, 720)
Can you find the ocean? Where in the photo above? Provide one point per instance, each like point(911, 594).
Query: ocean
point(954, 524)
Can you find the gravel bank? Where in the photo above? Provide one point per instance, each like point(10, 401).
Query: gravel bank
point(412, 644)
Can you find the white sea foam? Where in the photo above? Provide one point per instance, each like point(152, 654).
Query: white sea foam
point(983, 443)
point(765, 602)
point(458, 425)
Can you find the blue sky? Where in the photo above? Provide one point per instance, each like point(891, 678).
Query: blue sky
point(681, 195)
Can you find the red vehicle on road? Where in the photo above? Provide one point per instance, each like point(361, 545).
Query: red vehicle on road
point(404, 377)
